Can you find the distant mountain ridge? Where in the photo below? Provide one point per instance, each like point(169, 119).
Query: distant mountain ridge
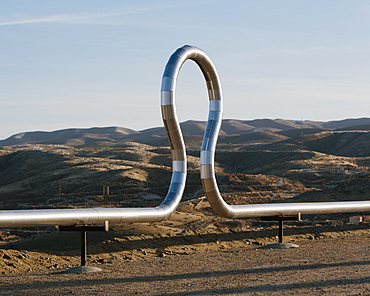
point(232, 130)
point(69, 137)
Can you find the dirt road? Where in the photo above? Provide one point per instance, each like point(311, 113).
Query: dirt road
point(331, 266)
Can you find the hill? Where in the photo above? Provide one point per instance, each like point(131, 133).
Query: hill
point(268, 159)
point(70, 137)
point(266, 131)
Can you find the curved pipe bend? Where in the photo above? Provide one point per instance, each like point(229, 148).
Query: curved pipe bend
point(208, 178)
point(18, 218)
point(208, 148)
point(26, 218)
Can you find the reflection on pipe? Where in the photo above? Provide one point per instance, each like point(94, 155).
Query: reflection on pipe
point(17, 218)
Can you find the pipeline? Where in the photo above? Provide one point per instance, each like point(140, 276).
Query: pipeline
point(27, 218)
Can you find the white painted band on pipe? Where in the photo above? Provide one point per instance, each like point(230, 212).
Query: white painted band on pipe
point(167, 98)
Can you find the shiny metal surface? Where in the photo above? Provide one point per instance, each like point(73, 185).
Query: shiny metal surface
point(251, 210)
point(24, 218)
point(16, 218)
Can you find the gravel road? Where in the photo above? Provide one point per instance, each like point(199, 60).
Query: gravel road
point(331, 266)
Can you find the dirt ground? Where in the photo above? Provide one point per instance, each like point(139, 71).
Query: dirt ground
point(331, 266)
point(193, 253)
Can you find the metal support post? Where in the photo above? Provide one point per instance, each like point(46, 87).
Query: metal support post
point(83, 248)
point(281, 219)
point(281, 231)
point(83, 229)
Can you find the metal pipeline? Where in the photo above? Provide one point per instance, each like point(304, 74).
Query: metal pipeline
point(209, 182)
point(26, 218)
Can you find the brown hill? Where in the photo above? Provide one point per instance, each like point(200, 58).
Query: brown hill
point(342, 143)
point(253, 138)
point(70, 137)
point(116, 135)
point(346, 123)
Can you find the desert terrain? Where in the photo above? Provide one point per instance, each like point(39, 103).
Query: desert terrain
point(191, 254)
point(195, 252)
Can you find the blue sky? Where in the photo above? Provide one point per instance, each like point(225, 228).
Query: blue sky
point(99, 63)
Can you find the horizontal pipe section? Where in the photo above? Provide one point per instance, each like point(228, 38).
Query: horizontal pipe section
point(24, 218)
point(279, 209)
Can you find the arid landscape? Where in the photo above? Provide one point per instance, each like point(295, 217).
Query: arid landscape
point(257, 161)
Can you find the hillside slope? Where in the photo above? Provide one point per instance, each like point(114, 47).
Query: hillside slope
point(193, 130)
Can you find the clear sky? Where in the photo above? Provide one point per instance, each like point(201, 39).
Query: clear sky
point(99, 63)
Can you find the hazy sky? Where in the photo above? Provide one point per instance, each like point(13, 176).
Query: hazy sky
point(99, 63)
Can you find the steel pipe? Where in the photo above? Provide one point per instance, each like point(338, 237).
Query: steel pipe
point(251, 210)
point(25, 218)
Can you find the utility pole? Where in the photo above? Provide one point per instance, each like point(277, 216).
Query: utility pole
point(301, 134)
